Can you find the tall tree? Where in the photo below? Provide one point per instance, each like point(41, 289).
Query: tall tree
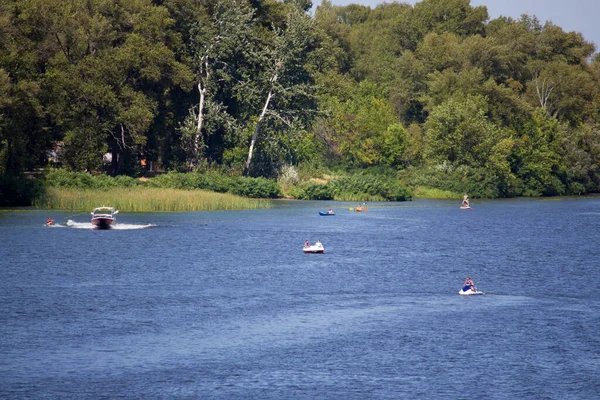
point(221, 46)
point(285, 83)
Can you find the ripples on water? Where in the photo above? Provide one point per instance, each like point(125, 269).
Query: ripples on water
point(226, 305)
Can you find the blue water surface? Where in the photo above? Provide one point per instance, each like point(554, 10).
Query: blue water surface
point(225, 305)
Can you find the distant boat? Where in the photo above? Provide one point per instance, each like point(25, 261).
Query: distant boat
point(104, 217)
point(323, 213)
point(316, 248)
point(466, 207)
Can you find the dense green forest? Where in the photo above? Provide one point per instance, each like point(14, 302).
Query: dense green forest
point(434, 95)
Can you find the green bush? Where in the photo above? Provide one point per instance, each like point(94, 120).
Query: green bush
point(67, 179)
point(261, 188)
point(386, 187)
point(314, 191)
point(242, 186)
point(19, 191)
point(477, 182)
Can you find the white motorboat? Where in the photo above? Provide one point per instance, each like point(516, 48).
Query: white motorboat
point(104, 217)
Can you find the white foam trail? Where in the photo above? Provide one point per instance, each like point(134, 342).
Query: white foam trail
point(117, 226)
point(131, 226)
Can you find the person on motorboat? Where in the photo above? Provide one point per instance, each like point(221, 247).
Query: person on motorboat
point(465, 202)
point(469, 282)
point(49, 221)
point(319, 244)
point(306, 243)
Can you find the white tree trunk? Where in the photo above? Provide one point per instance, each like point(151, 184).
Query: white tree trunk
point(543, 90)
point(202, 92)
point(253, 142)
point(260, 119)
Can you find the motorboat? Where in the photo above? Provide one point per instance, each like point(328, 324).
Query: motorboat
point(104, 217)
point(468, 291)
point(325, 213)
point(466, 207)
point(316, 248)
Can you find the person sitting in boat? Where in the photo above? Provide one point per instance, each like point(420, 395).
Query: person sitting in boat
point(306, 244)
point(469, 282)
point(319, 244)
point(330, 211)
point(465, 202)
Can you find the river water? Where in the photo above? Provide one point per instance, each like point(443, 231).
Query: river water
point(225, 305)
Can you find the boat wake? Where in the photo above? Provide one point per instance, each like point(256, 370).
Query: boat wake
point(88, 225)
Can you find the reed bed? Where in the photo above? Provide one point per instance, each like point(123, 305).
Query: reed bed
point(347, 196)
point(424, 192)
point(141, 199)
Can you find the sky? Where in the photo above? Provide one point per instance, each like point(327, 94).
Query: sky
point(571, 15)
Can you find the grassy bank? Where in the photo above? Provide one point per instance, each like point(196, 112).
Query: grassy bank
point(423, 192)
point(139, 199)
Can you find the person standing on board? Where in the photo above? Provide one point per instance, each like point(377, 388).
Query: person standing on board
point(465, 201)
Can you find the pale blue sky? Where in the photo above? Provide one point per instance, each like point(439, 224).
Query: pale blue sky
point(571, 15)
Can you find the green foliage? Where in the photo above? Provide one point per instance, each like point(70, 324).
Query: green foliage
point(389, 189)
point(242, 186)
point(255, 188)
point(313, 191)
point(477, 182)
point(61, 178)
point(17, 191)
point(500, 108)
point(355, 187)
point(459, 131)
point(432, 193)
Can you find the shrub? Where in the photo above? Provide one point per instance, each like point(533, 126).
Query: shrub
point(67, 179)
point(372, 185)
point(256, 188)
point(314, 191)
point(288, 176)
point(18, 191)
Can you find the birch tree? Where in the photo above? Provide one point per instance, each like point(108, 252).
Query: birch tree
point(285, 84)
point(217, 45)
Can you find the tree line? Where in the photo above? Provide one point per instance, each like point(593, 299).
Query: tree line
point(437, 91)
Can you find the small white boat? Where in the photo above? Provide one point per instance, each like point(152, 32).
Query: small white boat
point(466, 207)
point(104, 217)
point(467, 291)
point(315, 248)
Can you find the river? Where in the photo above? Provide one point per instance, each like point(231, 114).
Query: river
point(225, 305)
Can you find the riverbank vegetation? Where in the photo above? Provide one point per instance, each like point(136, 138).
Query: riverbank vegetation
point(142, 199)
point(268, 100)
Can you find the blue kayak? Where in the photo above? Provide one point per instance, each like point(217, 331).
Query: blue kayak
point(324, 213)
